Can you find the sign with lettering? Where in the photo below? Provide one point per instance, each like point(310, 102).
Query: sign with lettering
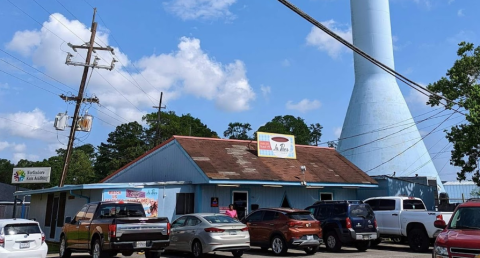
point(31, 175)
point(148, 197)
point(276, 145)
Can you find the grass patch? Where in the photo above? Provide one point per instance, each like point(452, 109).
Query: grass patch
point(53, 247)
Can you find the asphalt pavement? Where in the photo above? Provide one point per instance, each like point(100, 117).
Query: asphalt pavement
point(382, 251)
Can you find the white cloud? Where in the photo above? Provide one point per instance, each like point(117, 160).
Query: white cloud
point(13, 146)
point(21, 155)
point(304, 105)
point(427, 3)
point(285, 63)
point(201, 9)
point(325, 42)
point(460, 13)
point(266, 90)
point(188, 70)
point(337, 131)
point(16, 125)
point(24, 41)
point(416, 98)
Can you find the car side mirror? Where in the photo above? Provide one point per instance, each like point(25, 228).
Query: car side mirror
point(440, 224)
point(68, 220)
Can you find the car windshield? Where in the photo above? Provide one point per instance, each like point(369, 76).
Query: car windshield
point(361, 210)
point(466, 218)
point(21, 229)
point(300, 216)
point(215, 219)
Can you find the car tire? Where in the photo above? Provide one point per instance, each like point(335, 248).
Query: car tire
point(197, 250)
point(96, 249)
point(332, 242)
point(376, 242)
point(64, 252)
point(311, 250)
point(130, 253)
point(418, 240)
point(278, 245)
point(149, 254)
point(237, 253)
point(362, 245)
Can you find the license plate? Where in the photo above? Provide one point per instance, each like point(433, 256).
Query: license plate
point(141, 243)
point(309, 237)
point(233, 232)
point(24, 245)
point(366, 237)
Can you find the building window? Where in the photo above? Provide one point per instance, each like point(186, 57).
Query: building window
point(326, 196)
point(185, 203)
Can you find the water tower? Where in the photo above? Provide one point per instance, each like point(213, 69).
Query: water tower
point(377, 106)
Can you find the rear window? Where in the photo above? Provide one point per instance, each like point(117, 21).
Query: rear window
point(121, 211)
point(21, 229)
point(361, 210)
point(300, 216)
point(413, 205)
point(220, 219)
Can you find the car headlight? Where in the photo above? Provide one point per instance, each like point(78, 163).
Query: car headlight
point(441, 250)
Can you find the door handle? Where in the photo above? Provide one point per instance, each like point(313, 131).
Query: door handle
point(271, 224)
point(394, 214)
point(87, 226)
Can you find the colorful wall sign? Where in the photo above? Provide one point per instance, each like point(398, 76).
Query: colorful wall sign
point(148, 197)
point(31, 175)
point(276, 145)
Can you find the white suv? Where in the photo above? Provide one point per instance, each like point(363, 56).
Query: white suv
point(21, 238)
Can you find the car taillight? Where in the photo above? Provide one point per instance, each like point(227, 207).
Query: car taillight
point(349, 223)
point(112, 230)
point(214, 230)
point(43, 238)
point(168, 228)
point(244, 229)
point(440, 217)
point(294, 224)
point(375, 223)
point(2, 241)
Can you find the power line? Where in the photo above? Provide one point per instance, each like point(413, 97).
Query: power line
point(384, 67)
point(28, 82)
point(35, 127)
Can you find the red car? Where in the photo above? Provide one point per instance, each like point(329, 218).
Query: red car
point(461, 236)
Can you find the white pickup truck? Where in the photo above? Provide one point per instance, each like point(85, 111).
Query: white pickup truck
point(406, 218)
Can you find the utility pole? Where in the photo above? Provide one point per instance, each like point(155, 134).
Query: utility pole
point(158, 133)
point(79, 98)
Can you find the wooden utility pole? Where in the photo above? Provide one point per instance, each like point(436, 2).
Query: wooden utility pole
point(158, 133)
point(79, 98)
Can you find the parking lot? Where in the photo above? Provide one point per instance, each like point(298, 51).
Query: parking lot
point(383, 251)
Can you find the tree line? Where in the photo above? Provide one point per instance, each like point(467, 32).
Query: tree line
point(90, 164)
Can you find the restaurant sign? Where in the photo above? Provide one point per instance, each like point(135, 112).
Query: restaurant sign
point(276, 145)
point(31, 175)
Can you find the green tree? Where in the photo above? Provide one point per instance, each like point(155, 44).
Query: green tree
point(332, 144)
point(123, 145)
point(238, 131)
point(6, 170)
point(315, 133)
point(461, 85)
point(288, 125)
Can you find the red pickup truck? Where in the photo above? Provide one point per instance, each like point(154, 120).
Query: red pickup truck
point(461, 236)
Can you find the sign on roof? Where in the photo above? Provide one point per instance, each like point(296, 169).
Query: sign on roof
point(276, 145)
point(31, 175)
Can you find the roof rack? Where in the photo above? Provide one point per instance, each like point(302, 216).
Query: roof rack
point(473, 200)
point(339, 201)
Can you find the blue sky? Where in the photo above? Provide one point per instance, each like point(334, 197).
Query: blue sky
point(220, 60)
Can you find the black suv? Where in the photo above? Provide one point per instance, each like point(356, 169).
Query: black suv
point(345, 222)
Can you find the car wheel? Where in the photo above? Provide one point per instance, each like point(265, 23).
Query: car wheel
point(149, 254)
point(279, 246)
point(237, 253)
point(64, 252)
point(418, 240)
point(126, 253)
point(362, 245)
point(332, 242)
point(96, 248)
point(376, 242)
point(197, 250)
point(311, 250)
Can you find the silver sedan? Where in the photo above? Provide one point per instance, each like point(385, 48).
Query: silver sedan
point(201, 233)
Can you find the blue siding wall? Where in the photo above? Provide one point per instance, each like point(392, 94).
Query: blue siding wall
point(169, 163)
point(298, 197)
point(455, 190)
point(395, 187)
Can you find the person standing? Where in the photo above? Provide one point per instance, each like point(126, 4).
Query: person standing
point(231, 212)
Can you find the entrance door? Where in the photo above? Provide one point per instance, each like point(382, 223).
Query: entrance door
point(240, 203)
point(53, 223)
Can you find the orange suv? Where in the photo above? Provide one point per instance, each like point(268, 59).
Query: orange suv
point(282, 228)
